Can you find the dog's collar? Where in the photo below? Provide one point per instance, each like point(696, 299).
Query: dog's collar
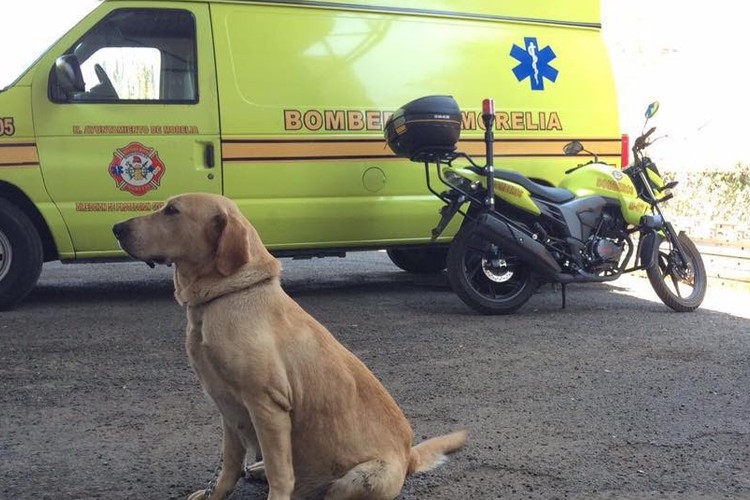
point(207, 289)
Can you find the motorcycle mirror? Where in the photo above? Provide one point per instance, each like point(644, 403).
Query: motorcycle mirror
point(652, 109)
point(573, 148)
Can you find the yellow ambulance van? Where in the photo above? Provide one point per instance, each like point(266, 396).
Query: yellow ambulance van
point(280, 105)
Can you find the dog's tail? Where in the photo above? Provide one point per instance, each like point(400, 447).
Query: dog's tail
point(431, 453)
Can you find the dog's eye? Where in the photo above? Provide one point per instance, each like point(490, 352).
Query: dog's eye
point(171, 210)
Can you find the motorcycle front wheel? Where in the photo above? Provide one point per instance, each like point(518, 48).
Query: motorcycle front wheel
point(486, 278)
point(680, 284)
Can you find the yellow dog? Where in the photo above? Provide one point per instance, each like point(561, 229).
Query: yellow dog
point(324, 425)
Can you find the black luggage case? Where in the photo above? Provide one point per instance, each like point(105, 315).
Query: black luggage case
point(425, 129)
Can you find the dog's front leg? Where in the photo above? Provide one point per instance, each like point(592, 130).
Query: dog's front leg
point(233, 458)
point(273, 425)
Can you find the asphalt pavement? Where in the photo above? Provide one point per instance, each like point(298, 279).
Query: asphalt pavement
point(614, 397)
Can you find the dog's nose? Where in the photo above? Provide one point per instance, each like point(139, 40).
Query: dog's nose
point(120, 230)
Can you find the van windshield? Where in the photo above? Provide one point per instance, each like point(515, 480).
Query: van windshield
point(33, 33)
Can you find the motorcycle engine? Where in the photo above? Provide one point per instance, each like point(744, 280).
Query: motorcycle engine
point(604, 248)
point(602, 254)
point(607, 250)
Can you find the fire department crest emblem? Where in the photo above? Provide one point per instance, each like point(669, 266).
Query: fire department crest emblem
point(136, 169)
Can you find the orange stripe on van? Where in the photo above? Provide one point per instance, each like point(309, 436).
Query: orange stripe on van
point(238, 150)
point(304, 149)
point(516, 148)
point(18, 155)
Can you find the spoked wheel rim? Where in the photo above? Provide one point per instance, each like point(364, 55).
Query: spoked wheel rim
point(680, 284)
point(678, 276)
point(6, 255)
point(493, 274)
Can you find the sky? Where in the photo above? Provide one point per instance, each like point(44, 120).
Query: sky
point(683, 54)
point(690, 58)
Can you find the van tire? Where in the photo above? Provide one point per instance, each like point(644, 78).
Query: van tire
point(21, 255)
point(419, 260)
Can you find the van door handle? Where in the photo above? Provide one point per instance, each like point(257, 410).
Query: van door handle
point(210, 159)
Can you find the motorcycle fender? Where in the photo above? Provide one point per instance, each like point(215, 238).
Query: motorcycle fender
point(649, 241)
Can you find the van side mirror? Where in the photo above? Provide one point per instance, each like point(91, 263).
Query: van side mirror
point(572, 148)
point(69, 76)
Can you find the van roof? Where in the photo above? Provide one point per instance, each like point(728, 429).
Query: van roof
point(584, 13)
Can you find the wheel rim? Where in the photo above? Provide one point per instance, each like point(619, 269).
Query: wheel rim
point(6, 255)
point(678, 277)
point(492, 274)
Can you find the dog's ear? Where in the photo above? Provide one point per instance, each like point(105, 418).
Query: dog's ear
point(233, 245)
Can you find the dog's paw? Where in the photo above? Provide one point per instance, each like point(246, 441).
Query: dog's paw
point(198, 495)
point(256, 472)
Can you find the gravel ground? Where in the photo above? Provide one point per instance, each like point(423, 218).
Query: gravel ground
point(614, 397)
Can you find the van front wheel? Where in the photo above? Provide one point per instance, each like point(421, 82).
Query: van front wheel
point(21, 255)
point(419, 260)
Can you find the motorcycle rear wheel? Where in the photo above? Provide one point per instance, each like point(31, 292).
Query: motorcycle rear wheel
point(486, 278)
point(681, 286)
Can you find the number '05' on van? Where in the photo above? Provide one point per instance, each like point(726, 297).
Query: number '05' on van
point(280, 105)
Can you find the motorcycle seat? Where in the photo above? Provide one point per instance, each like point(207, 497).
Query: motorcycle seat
point(553, 194)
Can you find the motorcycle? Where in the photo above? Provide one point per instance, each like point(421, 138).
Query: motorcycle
point(599, 223)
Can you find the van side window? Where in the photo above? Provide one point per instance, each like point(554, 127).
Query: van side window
point(132, 55)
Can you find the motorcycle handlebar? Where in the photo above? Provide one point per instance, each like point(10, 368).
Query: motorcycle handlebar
point(640, 142)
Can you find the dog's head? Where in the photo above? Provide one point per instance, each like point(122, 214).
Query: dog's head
point(202, 233)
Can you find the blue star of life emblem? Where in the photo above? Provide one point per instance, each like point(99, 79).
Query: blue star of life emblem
point(534, 63)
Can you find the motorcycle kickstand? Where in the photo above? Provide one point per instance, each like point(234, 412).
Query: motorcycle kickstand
point(562, 290)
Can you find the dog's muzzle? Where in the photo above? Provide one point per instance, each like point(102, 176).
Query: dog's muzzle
point(121, 230)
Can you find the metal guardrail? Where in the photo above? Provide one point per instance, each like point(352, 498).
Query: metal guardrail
point(729, 262)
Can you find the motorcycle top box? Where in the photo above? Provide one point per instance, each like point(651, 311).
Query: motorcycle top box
point(424, 128)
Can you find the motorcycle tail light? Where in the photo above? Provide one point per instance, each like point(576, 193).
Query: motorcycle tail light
point(625, 151)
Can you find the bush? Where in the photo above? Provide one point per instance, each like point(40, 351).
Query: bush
point(713, 196)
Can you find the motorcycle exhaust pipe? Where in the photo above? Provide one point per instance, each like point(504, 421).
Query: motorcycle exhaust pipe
point(521, 244)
